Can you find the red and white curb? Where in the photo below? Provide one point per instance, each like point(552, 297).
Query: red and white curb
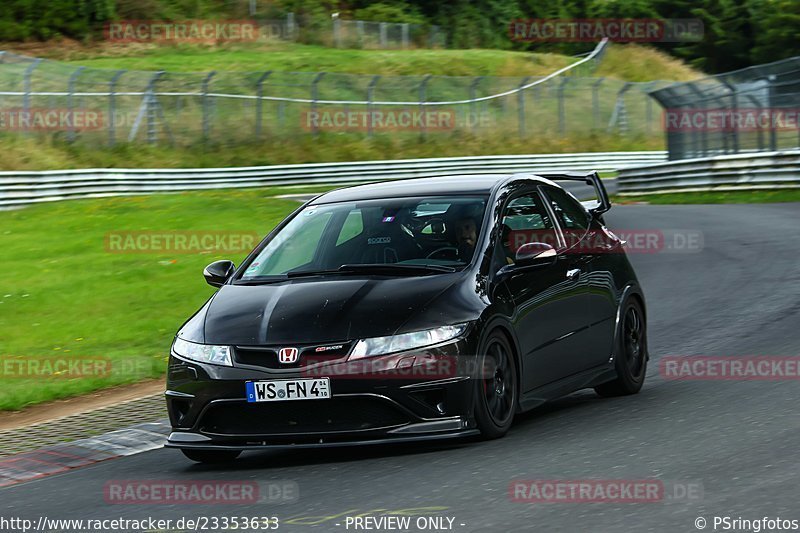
point(83, 452)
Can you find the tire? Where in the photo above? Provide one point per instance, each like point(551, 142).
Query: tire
point(211, 456)
point(496, 393)
point(631, 356)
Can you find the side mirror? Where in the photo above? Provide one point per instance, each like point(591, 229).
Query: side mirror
point(218, 272)
point(535, 253)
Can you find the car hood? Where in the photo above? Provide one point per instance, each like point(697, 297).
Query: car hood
point(324, 310)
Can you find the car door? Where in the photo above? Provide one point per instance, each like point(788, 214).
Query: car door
point(596, 280)
point(548, 302)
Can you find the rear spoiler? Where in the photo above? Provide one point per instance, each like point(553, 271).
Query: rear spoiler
point(602, 204)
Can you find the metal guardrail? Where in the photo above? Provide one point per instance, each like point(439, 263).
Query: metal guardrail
point(29, 187)
point(763, 170)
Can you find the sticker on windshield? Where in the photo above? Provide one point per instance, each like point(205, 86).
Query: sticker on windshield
point(379, 240)
point(388, 219)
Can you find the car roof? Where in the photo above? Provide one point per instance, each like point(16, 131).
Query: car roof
point(465, 184)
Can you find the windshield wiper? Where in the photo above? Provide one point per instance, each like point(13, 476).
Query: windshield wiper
point(392, 268)
point(260, 280)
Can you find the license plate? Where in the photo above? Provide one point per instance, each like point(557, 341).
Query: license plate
point(280, 390)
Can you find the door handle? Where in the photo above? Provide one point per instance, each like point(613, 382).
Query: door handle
point(573, 274)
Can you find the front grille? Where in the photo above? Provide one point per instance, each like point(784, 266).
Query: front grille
point(267, 356)
point(301, 416)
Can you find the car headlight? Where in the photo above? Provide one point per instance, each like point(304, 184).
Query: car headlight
point(406, 341)
point(203, 353)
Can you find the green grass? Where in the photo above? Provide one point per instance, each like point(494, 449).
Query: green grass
point(621, 62)
point(64, 295)
point(290, 57)
point(721, 197)
point(21, 153)
point(632, 62)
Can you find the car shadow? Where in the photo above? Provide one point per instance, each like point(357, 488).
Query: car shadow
point(287, 458)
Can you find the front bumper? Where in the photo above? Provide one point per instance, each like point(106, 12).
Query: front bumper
point(426, 399)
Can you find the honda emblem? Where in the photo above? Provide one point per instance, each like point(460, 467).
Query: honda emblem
point(288, 355)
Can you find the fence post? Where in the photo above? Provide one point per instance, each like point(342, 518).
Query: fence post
point(290, 27)
point(619, 115)
point(360, 32)
point(370, 94)
point(433, 36)
point(759, 129)
point(383, 38)
point(648, 106)
point(112, 107)
point(315, 97)
point(703, 132)
point(735, 108)
point(422, 98)
point(26, 77)
point(206, 102)
point(252, 7)
point(596, 103)
point(71, 103)
point(562, 118)
point(260, 101)
point(773, 138)
point(152, 134)
point(405, 35)
point(337, 35)
point(473, 94)
point(521, 106)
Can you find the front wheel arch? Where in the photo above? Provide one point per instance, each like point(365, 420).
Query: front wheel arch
point(499, 324)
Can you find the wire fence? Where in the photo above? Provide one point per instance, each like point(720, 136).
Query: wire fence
point(104, 107)
point(750, 110)
point(383, 35)
point(275, 23)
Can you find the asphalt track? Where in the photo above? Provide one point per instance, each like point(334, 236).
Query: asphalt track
point(739, 441)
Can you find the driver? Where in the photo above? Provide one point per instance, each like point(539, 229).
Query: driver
point(466, 237)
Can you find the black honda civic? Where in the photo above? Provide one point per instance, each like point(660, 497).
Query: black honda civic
point(418, 309)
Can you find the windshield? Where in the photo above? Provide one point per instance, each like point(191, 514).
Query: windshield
point(393, 235)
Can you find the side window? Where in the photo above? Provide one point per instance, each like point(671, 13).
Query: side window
point(524, 220)
point(352, 227)
point(570, 213)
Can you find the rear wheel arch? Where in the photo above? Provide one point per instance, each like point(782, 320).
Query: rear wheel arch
point(640, 299)
point(632, 291)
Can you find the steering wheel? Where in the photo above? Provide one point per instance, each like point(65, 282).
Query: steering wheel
point(444, 249)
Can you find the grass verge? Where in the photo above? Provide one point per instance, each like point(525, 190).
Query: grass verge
point(65, 297)
point(30, 153)
point(721, 197)
point(621, 62)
